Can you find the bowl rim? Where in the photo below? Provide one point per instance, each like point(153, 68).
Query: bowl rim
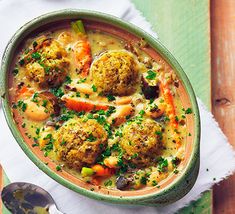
point(154, 43)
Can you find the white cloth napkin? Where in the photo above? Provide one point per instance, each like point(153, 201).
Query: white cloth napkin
point(217, 156)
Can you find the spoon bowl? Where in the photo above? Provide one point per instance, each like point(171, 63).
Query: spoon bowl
point(28, 198)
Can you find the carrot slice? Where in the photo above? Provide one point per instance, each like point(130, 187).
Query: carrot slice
point(82, 56)
point(102, 171)
point(77, 104)
point(169, 99)
point(24, 92)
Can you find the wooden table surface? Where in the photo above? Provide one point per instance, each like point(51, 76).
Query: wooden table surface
point(223, 89)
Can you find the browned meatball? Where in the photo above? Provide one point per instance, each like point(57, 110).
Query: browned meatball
point(115, 72)
point(141, 141)
point(47, 64)
point(80, 142)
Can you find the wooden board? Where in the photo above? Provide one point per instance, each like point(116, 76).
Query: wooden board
point(183, 27)
point(223, 96)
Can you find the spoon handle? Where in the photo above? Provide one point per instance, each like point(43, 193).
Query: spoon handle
point(53, 210)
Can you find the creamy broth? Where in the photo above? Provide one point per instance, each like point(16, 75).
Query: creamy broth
point(100, 107)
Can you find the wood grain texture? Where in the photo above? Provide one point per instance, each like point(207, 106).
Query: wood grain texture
point(223, 89)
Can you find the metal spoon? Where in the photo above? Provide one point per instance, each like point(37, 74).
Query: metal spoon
point(21, 198)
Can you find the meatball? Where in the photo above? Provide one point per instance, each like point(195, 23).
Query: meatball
point(115, 72)
point(47, 64)
point(80, 142)
point(141, 141)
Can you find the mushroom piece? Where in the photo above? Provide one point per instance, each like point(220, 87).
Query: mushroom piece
point(122, 182)
point(149, 91)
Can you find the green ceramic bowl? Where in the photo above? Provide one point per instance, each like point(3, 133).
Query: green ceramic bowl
point(175, 187)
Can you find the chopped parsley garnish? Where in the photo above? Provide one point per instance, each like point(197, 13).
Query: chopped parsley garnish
point(35, 144)
point(63, 142)
point(151, 101)
point(162, 164)
point(58, 168)
point(159, 133)
point(21, 62)
point(154, 183)
point(26, 51)
point(142, 112)
point(188, 111)
point(111, 110)
point(23, 125)
point(176, 171)
point(123, 167)
point(37, 131)
point(143, 180)
point(35, 44)
point(68, 115)
point(47, 70)
point(35, 96)
point(68, 80)
point(49, 146)
point(21, 104)
point(151, 75)
point(176, 118)
point(87, 95)
point(15, 71)
point(175, 161)
point(58, 92)
point(48, 136)
point(90, 116)
point(78, 94)
point(36, 56)
point(94, 88)
point(107, 127)
point(110, 97)
point(44, 103)
point(80, 114)
point(166, 118)
point(135, 155)
point(81, 81)
point(106, 153)
point(108, 183)
point(91, 138)
point(118, 133)
point(101, 119)
point(100, 112)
